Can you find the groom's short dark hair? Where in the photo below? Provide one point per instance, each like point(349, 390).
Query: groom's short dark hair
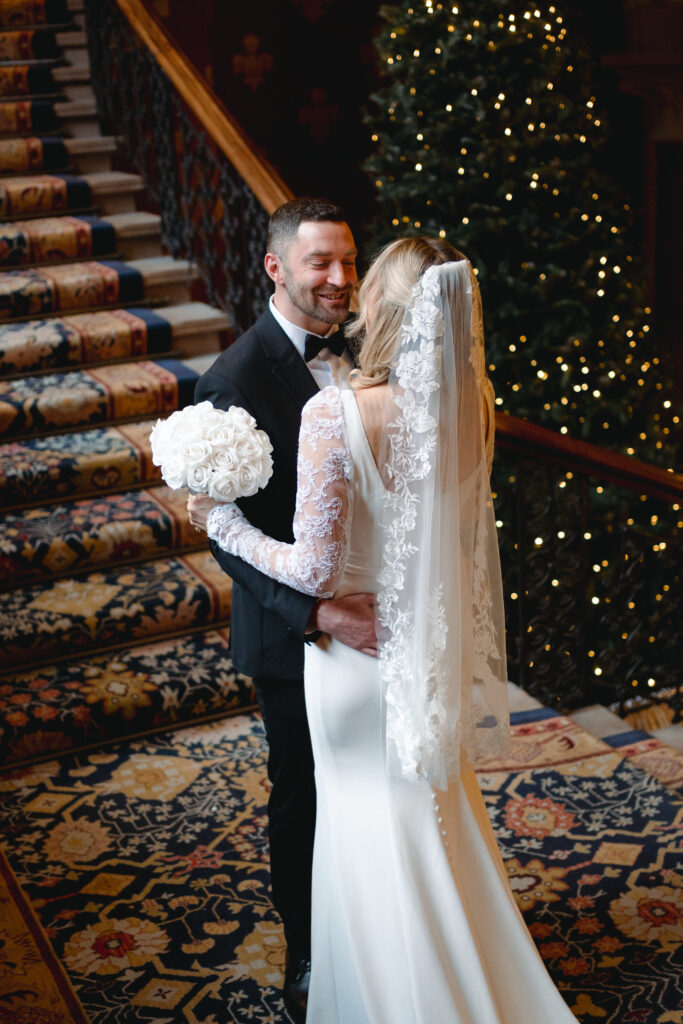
point(286, 220)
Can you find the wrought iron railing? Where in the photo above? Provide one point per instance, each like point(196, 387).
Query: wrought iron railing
point(214, 194)
point(591, 576)
point(592, 589)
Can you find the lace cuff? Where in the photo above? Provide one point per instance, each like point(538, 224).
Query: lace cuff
point(314, 563)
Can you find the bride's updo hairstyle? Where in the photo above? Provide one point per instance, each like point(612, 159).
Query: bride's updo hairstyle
point(383, 298)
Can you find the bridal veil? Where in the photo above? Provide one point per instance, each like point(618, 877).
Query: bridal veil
point(440, 608)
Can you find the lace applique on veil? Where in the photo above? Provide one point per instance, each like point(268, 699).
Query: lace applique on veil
point(442, 660)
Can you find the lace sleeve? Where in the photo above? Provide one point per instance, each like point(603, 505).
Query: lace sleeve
point(314, 563)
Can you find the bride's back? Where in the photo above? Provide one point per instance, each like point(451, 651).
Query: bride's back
point(363, 436)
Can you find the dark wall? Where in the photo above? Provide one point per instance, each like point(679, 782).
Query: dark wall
point(295, 75)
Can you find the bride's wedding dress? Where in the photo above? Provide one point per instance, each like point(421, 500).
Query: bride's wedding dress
point(413, 918)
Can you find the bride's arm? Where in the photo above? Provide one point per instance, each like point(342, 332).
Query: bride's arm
point(314, 563)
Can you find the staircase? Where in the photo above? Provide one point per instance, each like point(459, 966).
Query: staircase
point(114, 615)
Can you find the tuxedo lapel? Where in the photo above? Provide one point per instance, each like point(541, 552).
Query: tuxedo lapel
point(287, 366)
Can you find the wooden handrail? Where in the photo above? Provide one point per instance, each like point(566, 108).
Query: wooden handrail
point(231, 139)
point(538, 442)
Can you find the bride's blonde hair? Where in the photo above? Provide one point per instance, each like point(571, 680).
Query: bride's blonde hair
point(383, 297)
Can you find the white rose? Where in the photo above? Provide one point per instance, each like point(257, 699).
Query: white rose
point(195, 452)
point(223, 486)
point(173, 473)
point(224, 459)
point(199, 478)
point(248, 480)
point(241, 418)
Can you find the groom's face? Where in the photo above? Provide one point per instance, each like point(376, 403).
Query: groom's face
point(317, 272)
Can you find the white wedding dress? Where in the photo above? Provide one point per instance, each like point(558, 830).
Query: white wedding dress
point(414, 921)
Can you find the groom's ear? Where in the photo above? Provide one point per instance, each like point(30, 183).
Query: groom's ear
point(273, 265)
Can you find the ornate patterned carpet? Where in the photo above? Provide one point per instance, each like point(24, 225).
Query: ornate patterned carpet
point(147, 866)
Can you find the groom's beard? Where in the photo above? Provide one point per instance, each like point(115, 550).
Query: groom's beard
point(307, 300)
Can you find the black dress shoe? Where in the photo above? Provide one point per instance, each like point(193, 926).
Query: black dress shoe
point(295, 992)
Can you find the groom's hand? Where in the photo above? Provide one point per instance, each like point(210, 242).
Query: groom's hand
point(350, 620)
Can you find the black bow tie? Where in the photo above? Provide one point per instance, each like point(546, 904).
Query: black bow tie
point(314, 343)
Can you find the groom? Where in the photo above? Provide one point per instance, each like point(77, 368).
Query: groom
point(295, 348)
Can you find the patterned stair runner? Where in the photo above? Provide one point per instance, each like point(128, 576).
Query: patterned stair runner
point(33, 12)
point(27, 117)
point(84, 702)
point(32, 154)
point(113, 612)
point(33, 405)
point(106, 609)
point(43, 193)
point(52, 540)
point(55, 239)
point(77, 464)
point(69, 286)
point(82, 338)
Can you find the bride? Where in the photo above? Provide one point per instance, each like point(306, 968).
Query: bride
point(413, 918)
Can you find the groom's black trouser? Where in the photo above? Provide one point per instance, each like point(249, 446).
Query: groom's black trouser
point(291, 807)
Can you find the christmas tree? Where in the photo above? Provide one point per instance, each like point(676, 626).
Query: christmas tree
point(487, 131)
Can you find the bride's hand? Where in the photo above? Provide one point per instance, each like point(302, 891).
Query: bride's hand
point(199, 506)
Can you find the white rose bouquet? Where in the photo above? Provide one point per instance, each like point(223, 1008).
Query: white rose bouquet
point(211, 451)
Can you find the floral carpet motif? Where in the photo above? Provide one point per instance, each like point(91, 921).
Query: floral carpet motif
point(94, 532)
point(37, 44)
point(85, 703)
point(147, 863)
point(32, 12)
point(72, 286)
point(22, 117)
point(54, 239)
point(78, 398)
point(91, 613)
point(592, 847)
point(82, 338)
point(32, 154)
point(68, 465)
point(25, 80)
point(34, 988)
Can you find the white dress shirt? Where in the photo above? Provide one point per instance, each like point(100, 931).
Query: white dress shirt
point(327, 368)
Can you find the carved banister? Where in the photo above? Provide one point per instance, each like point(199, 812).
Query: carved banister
point(530, 440)
point(229, 137)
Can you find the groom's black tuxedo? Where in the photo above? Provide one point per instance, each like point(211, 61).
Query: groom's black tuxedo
point(263, 372)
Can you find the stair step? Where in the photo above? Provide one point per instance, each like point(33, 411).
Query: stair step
point(114, 191)
point(74, 80)
point(22, 155)
point(94, 283)
point(73, 46)
point(77, 537)
point(25, 195)
point(21, 46)
point(31, 406)
point(91, 154)
point(17, 14)
point(77, 704)
point(110, 609)
point(197, 328)
point(28, 117)
point(31, 195)
point(78, 118)
point(78, 464)
point(165, 277)
point(49, 239)
point(21, 81)
point(93, 338)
